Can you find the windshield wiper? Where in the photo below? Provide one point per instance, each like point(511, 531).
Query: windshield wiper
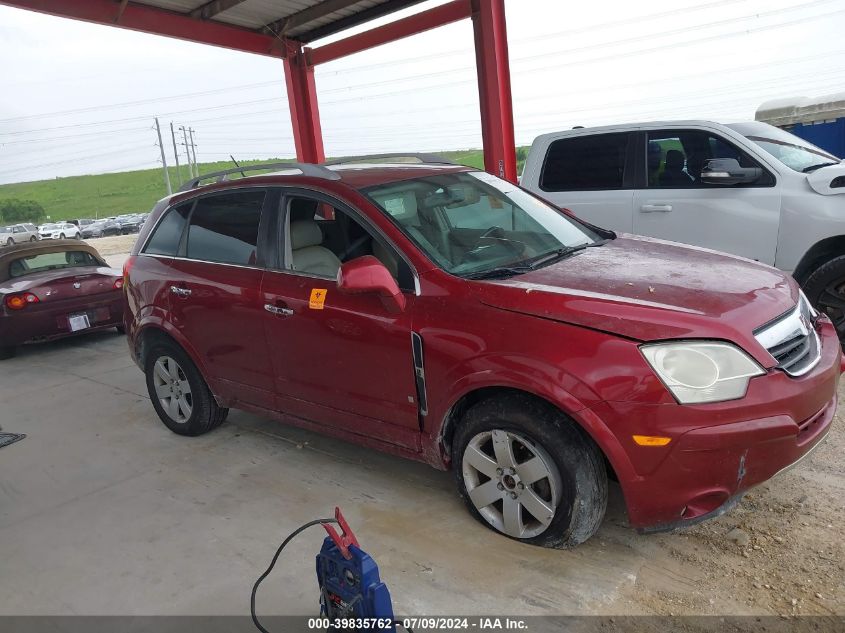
point(499, 272)
point(807, 170)
point(560, 253)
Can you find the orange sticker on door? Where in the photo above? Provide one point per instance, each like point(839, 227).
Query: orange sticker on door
point(317, 299)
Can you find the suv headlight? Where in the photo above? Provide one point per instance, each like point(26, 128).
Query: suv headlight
point(706, 371)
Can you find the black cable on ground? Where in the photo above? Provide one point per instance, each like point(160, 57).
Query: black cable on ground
point(273, 564)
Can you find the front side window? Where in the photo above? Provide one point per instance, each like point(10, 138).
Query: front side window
point(51, 261)
point(224, 228)
point(471, 222)
point(676, 158)
point(581, 163)
point(168, 234)
point(321, 237)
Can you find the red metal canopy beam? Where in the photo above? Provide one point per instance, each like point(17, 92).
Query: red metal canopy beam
point(158, 22)
point(494, 88)
point(302, 100)
point(417, 23)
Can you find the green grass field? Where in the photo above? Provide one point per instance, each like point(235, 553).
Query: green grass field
point(104, 195)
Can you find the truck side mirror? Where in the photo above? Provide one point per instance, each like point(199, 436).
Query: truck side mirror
point(726, 171)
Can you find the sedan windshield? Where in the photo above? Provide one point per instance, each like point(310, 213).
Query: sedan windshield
point(794, 152)
point(50, 261)
point(470, 223)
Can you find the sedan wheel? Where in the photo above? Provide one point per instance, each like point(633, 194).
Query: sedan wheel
point(10, 242)
point(33, 238)
point(512, 482)
point(173, 389)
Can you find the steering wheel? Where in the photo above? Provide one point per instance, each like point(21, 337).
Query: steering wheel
point(493, 233)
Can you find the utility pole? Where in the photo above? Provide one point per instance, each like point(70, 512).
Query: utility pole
point(176, 154)
point(163, 159)
point(187, 151)
point(194, 151)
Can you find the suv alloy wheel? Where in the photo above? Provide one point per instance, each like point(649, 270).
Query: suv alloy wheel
point(178, 392)
point(526, 471)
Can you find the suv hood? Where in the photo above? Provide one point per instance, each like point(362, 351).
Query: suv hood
point(647, 289)
point(822, 179)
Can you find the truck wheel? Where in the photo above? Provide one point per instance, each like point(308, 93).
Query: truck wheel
point(178, 392)
point(825, 288)
point(527, 471)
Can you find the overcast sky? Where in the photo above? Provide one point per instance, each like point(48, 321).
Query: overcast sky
point(79, 98)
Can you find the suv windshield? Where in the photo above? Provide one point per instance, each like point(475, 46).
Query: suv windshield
point(794, 152)
point(471, 222)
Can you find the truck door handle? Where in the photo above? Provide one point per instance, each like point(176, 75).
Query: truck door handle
point(277, 310)
point(656, 208)
point(181, 292)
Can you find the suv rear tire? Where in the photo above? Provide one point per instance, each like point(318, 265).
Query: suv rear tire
point(179, 393)
point(825, 289)
point(515, 458)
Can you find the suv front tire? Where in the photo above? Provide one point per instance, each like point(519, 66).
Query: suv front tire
point(527, 471)
point(179, 393)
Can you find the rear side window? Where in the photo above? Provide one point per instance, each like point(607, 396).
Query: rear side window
point(586, 162)
point(224, 228)
point(167, 235)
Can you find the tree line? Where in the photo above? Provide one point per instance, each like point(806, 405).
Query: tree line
point(14, 211)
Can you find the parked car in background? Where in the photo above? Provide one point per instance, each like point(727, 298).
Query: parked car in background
point(18, 234)
point(749, 189)
point(54, 289)
point(101, 228)
point(130, 223)
point(60, 231)
point(445, 315)
point(82, 222)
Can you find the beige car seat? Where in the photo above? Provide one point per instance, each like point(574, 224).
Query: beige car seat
point(307, 254)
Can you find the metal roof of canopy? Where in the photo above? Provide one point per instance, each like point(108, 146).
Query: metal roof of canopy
point(282, 28)
point(303, 20)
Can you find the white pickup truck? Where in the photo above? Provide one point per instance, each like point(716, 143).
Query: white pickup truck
point(749, 189)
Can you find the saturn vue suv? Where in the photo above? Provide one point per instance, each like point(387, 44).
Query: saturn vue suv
point(439, 313)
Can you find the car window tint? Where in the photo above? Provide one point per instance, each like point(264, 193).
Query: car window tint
point(167, 235)
point(676, 158)
point(585, 162)
point(224, 228)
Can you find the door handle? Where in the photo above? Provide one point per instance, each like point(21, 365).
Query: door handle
point(277, 310)
point(656, 208)
point(181, 292)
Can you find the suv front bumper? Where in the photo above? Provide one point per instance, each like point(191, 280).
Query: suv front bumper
point(726, 448)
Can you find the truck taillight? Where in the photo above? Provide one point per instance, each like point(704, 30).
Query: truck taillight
point(20, 300)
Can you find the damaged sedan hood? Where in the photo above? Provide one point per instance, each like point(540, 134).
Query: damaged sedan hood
point(647, 289)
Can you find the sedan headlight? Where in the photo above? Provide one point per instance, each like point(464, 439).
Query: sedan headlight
point(697, 372)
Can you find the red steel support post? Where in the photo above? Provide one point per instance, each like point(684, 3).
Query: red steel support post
point(494, 87)
point(302, 99)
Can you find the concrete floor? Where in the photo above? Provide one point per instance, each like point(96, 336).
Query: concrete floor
point(103, 511)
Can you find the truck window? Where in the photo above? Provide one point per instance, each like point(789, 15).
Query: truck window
point(585, 162)
point(675, 158)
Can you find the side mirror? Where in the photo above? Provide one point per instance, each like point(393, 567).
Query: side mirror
point(726, 171)
point(366, 275)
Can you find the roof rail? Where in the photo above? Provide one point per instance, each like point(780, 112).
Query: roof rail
point(307, 169)
point(433, 159)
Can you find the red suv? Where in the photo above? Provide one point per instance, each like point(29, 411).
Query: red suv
point(442, 314)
